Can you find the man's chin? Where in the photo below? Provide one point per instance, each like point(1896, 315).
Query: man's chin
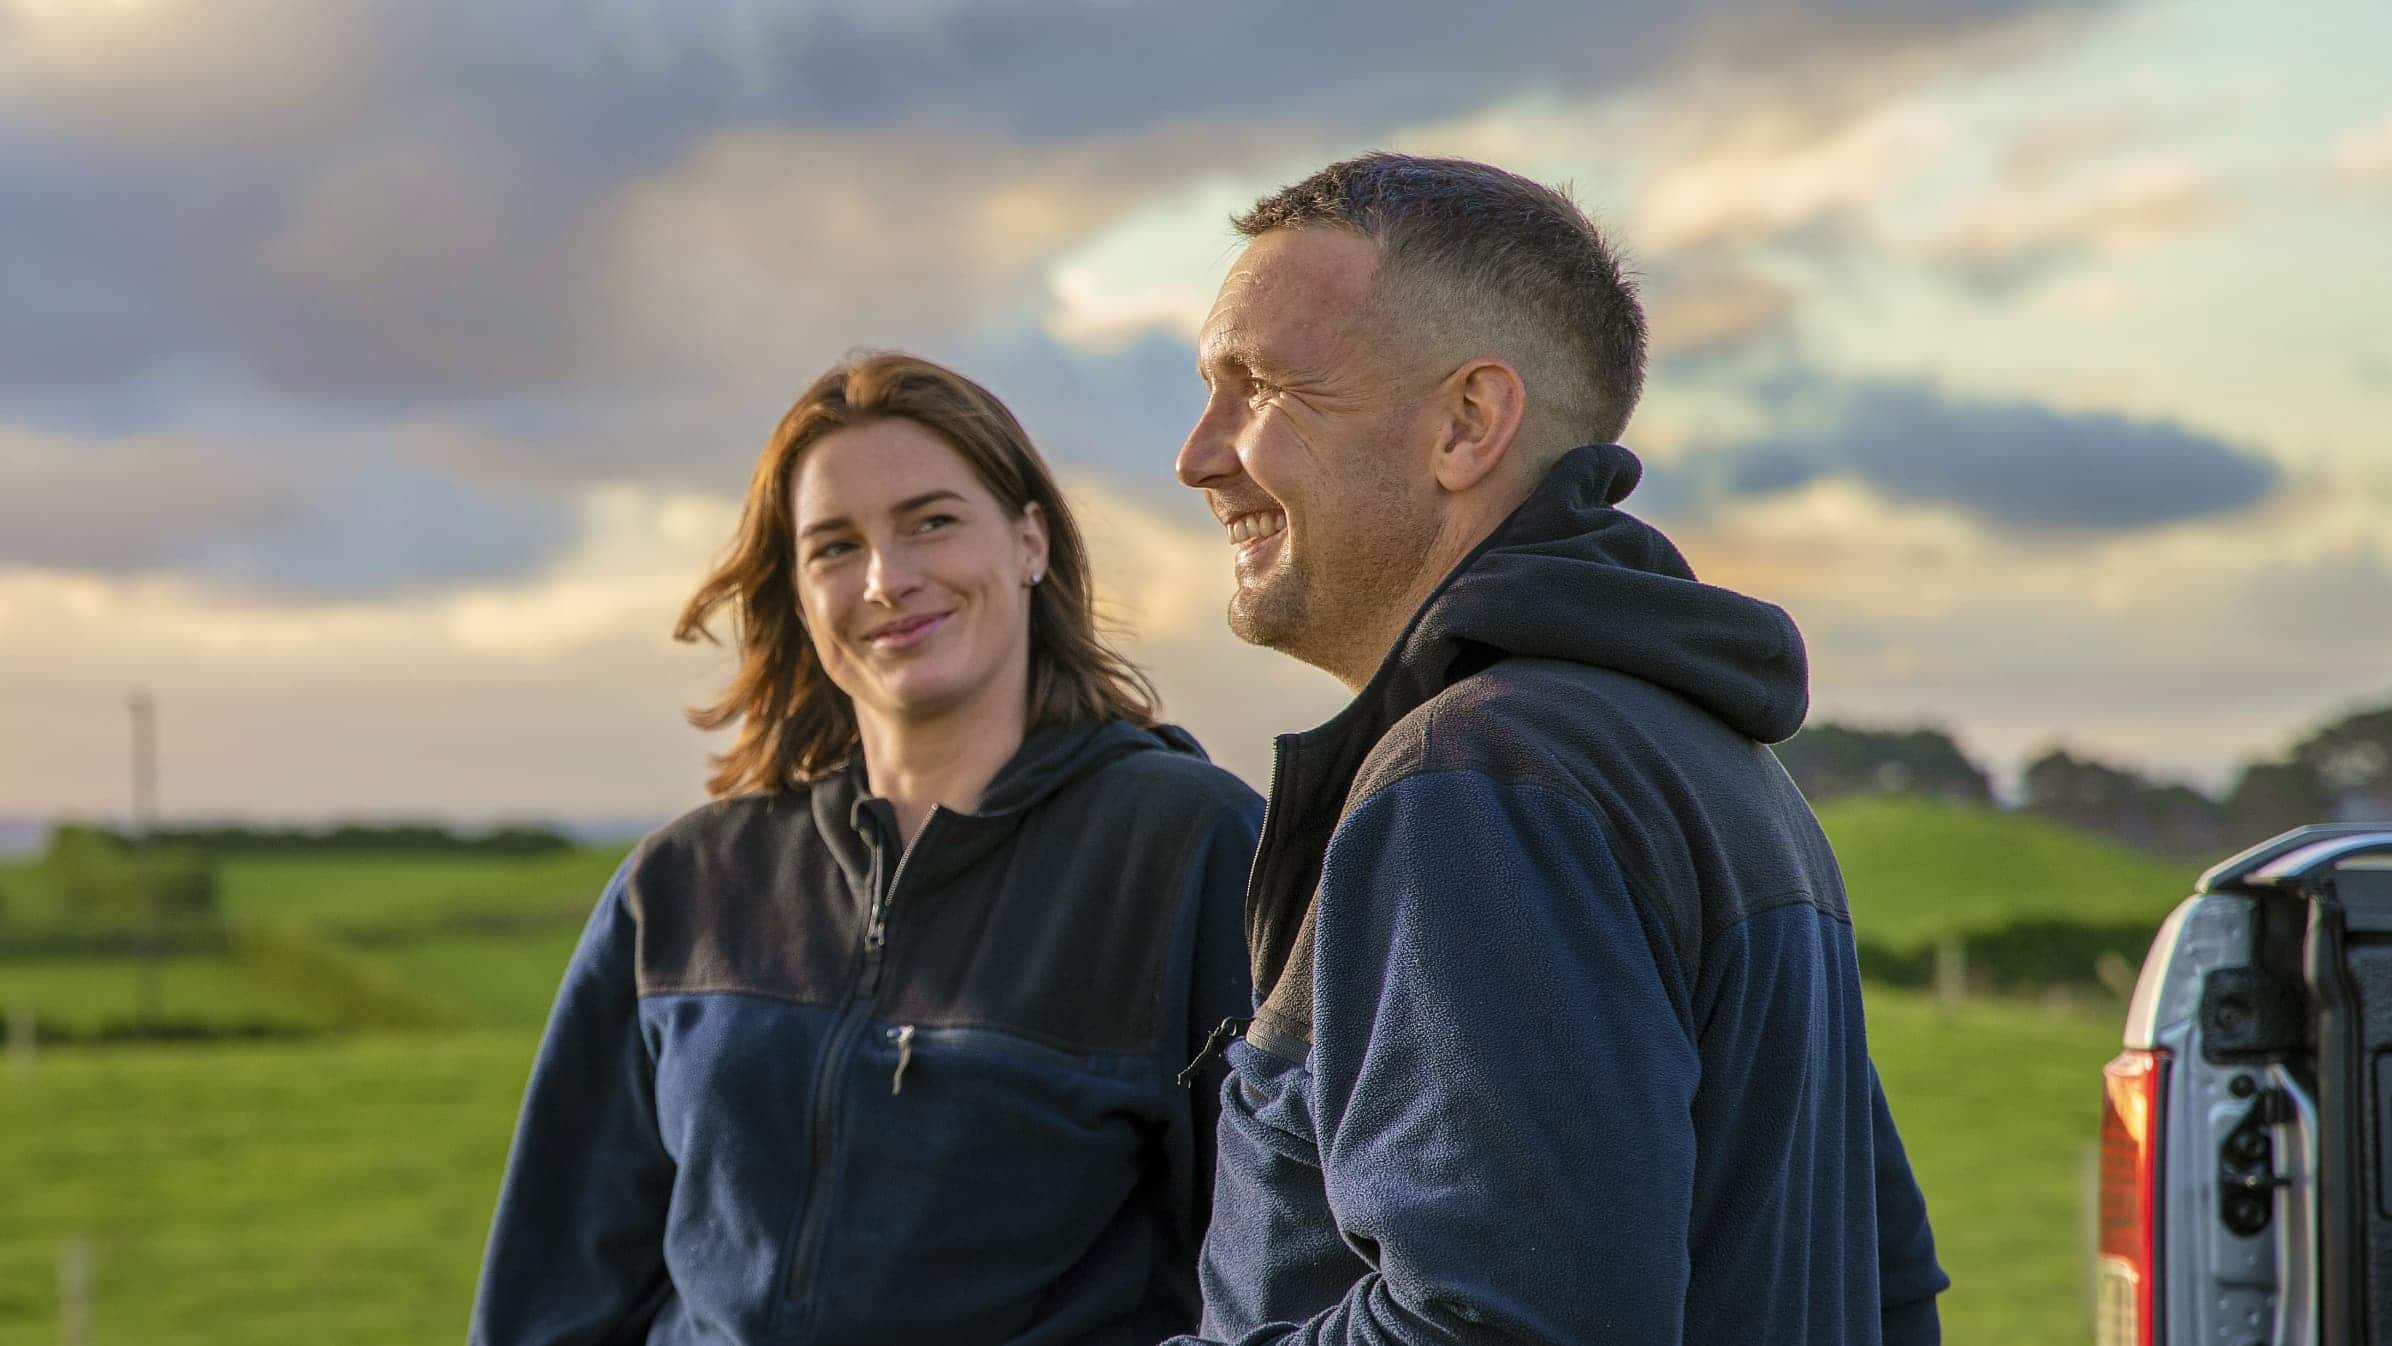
point(1264, 618)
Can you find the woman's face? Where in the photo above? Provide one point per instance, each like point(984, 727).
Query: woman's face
point(913, 579)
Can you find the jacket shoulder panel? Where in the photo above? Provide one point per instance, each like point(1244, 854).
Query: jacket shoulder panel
point(741, 895)
point(1706, 826)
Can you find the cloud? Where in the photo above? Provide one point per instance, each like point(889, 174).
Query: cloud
point(555, 693)
point(778, 250)
point(129, 505)
point(2017, 233)
point(2011, 465)
point(2048, 151)
point(259, 519)
point(1711, 310)
point(384, 207)
point(2365, 156)
point(1773, 175)
point(2183, 647)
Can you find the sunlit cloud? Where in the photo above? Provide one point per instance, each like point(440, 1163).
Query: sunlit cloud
point(2365, 156)
point(2018, 232)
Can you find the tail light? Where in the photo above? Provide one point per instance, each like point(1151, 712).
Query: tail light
point(2126, 1256)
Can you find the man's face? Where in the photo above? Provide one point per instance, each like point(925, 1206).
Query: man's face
point(1304, 454)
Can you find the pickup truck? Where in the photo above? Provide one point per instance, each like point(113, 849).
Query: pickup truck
point(2245, 1181)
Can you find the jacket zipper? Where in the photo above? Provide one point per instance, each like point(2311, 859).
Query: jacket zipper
point(1217, 1042)
point(852, 1018)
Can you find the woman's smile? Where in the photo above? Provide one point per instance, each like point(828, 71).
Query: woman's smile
point(905, 633)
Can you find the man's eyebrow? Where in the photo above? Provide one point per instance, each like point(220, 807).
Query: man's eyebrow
point(1229, 355)
point(905, 506)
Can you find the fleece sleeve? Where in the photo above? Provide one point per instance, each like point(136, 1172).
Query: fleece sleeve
point(1505, 1084)
point(1907, 1273)
point(576, 1254)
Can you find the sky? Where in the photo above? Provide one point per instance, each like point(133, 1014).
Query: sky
point(377, 379)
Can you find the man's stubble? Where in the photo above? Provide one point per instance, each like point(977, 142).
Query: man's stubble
point(1340, 602)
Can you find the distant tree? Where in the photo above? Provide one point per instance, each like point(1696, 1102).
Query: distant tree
point(2273, 797)
point(2340, 773)
point(103, 881)
point(343, 839)
point(1828, 760)
point(2123, 803)
point(2352, 760)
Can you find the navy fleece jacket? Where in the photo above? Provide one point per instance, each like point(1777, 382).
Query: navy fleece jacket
point(1559, 1035)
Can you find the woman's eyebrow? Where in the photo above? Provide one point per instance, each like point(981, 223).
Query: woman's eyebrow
point(905, 506)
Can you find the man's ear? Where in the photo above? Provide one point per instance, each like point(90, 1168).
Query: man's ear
point(1485, 402)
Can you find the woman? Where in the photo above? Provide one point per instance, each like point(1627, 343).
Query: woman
point(880, 1045)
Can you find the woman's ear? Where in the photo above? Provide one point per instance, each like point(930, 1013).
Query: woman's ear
point(1034, 543)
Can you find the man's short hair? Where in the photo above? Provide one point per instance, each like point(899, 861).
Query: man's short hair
point(1516, 260)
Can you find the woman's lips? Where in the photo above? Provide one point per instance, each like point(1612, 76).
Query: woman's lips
point(906, 634)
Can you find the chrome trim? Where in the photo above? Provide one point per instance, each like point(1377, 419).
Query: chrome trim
point(2296, 1216)
point(2294, 866)
point(2144, 1009)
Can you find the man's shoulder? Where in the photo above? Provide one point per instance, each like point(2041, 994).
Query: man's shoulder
point(1539, 722)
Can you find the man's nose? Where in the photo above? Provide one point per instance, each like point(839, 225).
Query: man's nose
point(1209, 455)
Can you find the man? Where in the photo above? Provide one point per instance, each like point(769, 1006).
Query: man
point(1559, 1032)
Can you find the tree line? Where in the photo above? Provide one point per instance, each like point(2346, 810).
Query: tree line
point(2341, 772)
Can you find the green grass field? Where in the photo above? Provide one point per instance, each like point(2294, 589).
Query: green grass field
point(327, 1192)
point(1917, 870)
point(84, 994)
point(338, 1189)
point(382, 891)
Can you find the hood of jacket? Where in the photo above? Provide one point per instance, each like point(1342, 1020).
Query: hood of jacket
point(1571, 576)
point(1567, 575)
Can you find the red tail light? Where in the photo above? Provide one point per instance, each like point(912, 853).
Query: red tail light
point(2126, 1258)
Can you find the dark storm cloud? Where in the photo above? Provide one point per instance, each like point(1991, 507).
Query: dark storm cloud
point(248, 520)
point(387, 205)
point(2012, 464)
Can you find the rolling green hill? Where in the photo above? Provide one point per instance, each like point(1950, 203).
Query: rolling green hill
point(1917, 870)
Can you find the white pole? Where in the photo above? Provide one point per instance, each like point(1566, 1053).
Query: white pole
point(145, 809)
point(1951, 972)
point(20, 1040)
point(74, 1292)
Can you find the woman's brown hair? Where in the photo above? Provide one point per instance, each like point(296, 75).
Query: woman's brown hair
point(794, 723)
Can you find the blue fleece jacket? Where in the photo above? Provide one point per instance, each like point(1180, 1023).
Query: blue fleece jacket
point(1559, 1035)
point(805, 1085)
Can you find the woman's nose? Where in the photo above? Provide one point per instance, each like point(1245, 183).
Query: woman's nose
point(887, 580)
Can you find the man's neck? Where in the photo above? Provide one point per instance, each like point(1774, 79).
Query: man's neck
point(948, 759)
point(1460, 534)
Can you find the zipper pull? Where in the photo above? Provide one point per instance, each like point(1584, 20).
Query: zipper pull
point(903, 1036)
point(1214, 1045)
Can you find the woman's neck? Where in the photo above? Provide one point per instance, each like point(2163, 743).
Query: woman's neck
point(949, 760)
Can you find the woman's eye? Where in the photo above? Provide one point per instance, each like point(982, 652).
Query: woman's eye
point(832, 550)
point(934, 522)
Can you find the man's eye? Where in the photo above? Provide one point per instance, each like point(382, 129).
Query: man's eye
point(1257, 390)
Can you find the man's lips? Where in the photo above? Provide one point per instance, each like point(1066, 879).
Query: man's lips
point(906, 632)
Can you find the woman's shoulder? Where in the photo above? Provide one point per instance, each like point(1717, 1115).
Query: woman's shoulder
point(724, 830)
point(1176, 771)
